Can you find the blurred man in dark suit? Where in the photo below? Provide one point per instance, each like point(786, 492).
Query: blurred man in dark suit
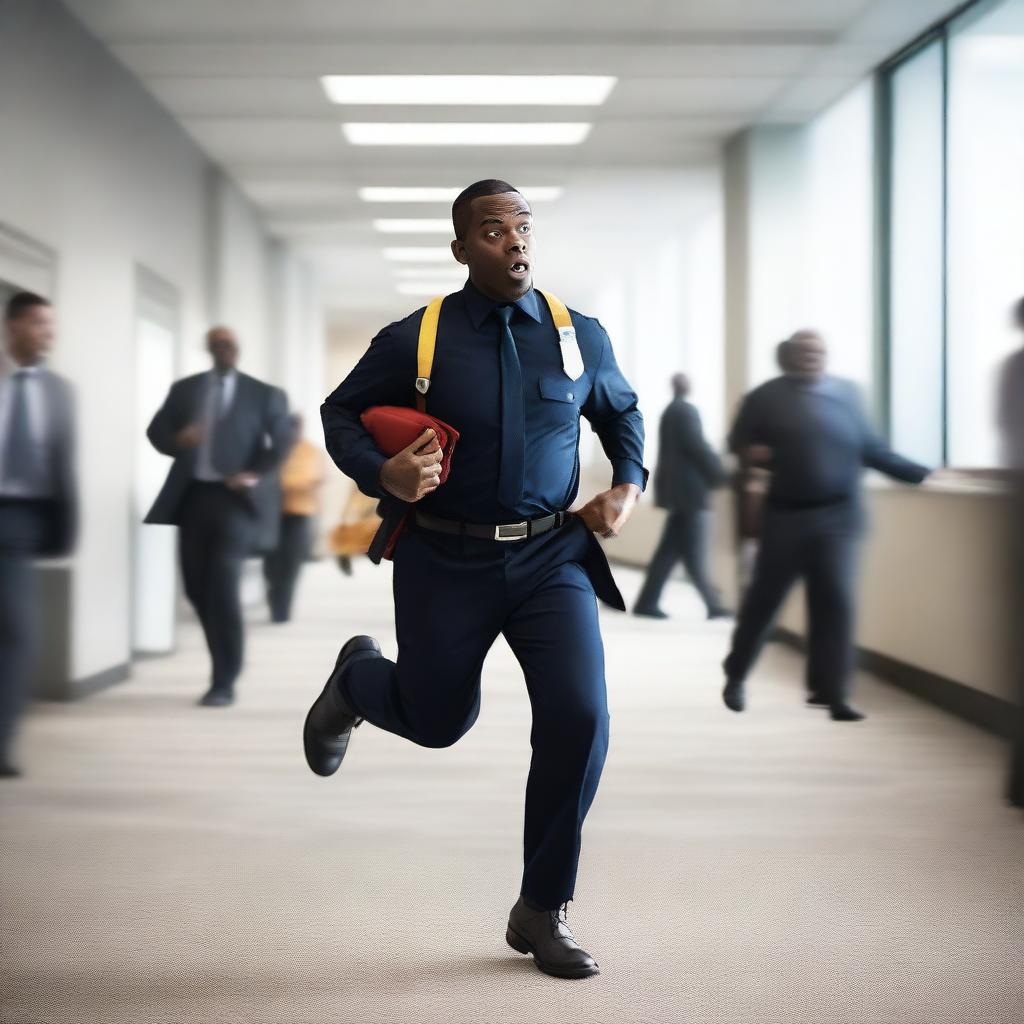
point(227, 433)
point(38, 494)
point(687, 470)
point(811, 431)
point(1010, 419)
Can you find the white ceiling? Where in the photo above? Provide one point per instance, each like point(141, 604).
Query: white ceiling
point(242, 78)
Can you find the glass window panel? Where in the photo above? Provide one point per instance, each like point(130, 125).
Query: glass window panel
point(986, 222)
point(839, 249)
point(916, 264)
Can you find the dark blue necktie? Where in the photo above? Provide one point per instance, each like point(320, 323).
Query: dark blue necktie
point(513, 417)
point(18, 455)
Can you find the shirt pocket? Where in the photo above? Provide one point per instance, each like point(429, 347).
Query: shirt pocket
point(560, 388)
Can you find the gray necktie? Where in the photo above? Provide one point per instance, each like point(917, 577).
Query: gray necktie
point(19, 464)
point(219, 441)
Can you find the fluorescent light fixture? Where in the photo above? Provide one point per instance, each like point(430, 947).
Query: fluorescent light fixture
point(424, 287)
point(456, 133)
point(419, 254)
point(470, 90)
point(456, 272)
point(413, 226)
point(372, 194)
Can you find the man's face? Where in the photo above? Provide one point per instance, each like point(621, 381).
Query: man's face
point(806, 358)
point(222, 345)
point(498, 246)
point(30, 335)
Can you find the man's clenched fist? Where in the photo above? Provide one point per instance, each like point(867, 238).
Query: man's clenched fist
point(606, 514)
point(414, 471)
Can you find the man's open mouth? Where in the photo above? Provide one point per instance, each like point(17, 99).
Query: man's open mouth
point(520, 267)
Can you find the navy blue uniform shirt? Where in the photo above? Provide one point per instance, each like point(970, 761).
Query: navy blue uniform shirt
point(820, 439)
point(465, 391)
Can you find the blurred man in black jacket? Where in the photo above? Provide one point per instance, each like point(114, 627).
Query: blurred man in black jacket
point(687, 471)
point(38, 494)
point(227, 433)
point(810, 429)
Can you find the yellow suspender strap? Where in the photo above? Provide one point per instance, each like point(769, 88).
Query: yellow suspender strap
point(428, 341)
point(425, 351)
point(558, 311)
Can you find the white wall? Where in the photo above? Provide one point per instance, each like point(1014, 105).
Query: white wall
point(97, 171)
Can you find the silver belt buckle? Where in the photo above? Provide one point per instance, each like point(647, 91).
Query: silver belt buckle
point(511, 531)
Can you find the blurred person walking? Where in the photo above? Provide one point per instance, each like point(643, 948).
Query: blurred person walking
point(227, 433)
point(301, 475)
point(1010, 420)
point(811, 431)
point(38, 495)
point(494, 550)
point(355, 533)
point(687, 470)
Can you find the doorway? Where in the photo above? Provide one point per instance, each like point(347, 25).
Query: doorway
point(154, 574)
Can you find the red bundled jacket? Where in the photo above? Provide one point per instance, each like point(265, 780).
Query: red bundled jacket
point(394, 428)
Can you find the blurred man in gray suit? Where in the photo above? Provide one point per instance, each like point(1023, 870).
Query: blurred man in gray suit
point(688, 469)
point(38, 496)
point(227, 433)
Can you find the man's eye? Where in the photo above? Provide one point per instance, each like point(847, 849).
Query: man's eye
point(494, 234)
point(524, 229)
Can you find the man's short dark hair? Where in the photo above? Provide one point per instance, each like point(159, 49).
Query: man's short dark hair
point(460, 208)
point(783, 354)
point(22, 302)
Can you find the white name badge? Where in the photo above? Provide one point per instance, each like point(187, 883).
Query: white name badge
point(572, 360)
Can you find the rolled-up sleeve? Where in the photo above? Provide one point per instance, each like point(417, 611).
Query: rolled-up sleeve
point(611, 408)
point(381, 377)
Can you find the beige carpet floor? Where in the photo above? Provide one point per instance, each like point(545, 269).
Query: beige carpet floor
point(162, 863)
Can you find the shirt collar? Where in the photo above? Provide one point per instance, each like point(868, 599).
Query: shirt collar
point(823, 385)
point(480, 307)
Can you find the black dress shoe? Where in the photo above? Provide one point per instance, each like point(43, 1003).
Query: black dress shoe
point(546, 935)
point(734, 695)
point(815, 700)
point(844, 713)
point(330, 721)
point(8, 771)
point(217, 697)
point(650, 613)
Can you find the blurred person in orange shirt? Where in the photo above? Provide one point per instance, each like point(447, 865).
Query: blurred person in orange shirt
point(302, 475)
point(355, 533)
point(38, 494)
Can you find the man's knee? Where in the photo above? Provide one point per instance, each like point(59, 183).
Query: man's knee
point(442, 735)
point(578, 729)
point(442, 730)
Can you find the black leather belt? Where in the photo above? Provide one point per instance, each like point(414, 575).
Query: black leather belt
point(501, 531)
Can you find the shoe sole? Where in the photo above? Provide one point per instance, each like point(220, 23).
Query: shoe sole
point(520, 945)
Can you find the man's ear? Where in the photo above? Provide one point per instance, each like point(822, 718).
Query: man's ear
point(459, 251)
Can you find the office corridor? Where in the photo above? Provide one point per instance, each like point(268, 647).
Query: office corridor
point(164, 863)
